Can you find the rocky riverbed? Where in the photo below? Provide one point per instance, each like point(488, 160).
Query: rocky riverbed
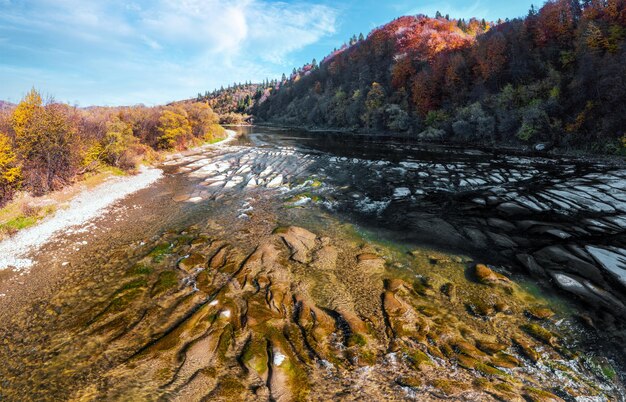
point(275, 269)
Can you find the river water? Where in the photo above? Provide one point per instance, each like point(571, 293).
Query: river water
point(286, 262)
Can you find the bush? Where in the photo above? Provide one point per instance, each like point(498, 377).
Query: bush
point(233, 119)
point(175, 129)
point(47, 144)
point(462, 129)
point(10, 172)
point(397, 119)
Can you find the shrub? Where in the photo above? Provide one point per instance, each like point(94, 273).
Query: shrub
point(174, 128)
point(10, 172)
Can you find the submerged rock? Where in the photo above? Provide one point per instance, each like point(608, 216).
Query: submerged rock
point(300, 241)
point(192, 262)
point(487, 276)
point(306, 317)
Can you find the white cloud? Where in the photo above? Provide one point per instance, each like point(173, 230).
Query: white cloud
point(155, 51)
point(282, 28)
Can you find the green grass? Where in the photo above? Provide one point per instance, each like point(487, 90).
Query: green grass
point(216, 140)
point(21, 220)
point(19, 223)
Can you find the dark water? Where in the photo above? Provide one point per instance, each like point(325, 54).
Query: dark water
point(560, 220)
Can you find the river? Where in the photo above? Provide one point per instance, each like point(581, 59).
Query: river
point(312, 266)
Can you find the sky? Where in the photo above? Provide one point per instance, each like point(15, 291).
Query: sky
point(121, 52)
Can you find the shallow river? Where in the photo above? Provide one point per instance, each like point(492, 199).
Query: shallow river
point(295, 266)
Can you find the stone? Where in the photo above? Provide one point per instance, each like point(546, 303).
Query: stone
point(449, 289)
point(574, 285)
point(219, 259)
point(409, 381)
point(477, 237)
point(300, 241)
point(480, 308)
point(531, 265)
point(540, 313)
point(501, 224)
point(325, 258)
point(502, 240)
point(505, 360)
point(393, 306)
point(613, 262)
point(490, 347)
point(540, 333)
point(512, 209)
point(526, 349)
point(371, 262)
point(559, 259)
point(487, 276)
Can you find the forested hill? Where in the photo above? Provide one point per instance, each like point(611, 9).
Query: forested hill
point(557, 75)
point(234, 103)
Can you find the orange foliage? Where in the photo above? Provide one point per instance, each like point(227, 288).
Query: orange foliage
point(402, 72)
point(555, 22)
point(425, 93)
point(491, 57)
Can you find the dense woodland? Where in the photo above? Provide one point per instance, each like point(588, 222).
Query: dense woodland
point(44, 145)
point(234, 103)
point(556, 76)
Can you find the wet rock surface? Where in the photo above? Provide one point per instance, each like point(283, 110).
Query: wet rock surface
point(541, 216)
point(263, 325)
point(259, 289)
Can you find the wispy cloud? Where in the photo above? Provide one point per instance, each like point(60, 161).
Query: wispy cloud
point(151, 51)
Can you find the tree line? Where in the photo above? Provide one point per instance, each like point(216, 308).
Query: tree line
point(45, 145)
point(558, 76)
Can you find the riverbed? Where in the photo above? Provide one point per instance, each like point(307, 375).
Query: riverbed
point(295, 266)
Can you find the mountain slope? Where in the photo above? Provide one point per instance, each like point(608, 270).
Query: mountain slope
point(558, 76)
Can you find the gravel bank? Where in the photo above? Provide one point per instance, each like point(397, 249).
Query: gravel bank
point(86, 206)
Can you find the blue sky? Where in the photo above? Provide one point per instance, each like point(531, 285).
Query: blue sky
point(120, 52)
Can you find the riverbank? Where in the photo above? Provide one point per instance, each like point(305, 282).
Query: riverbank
point(63, 210)
point(87, 205)
point(515, 149)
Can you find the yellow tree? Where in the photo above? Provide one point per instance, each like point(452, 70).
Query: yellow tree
point(47, 145)
point(23, 113)
point(10, 172)
point(118, 139)
point(374, 103)
point(204, 122)
point(174, 129)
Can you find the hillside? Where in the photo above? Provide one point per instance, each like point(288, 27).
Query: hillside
point(555, 76)
point(234, 103)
